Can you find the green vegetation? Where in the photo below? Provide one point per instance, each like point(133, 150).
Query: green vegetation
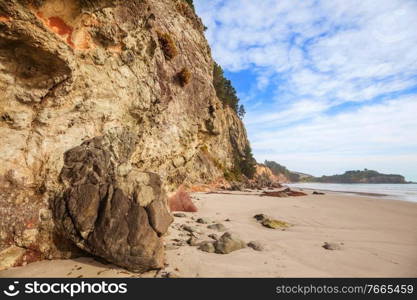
point(247, 163)
point(278, 169)
point(244, 165)
point(241, 111)
point(365, 176)
point(190, 3)
point(225, 91)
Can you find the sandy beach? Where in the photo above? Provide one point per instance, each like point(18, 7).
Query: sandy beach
point(378, 238)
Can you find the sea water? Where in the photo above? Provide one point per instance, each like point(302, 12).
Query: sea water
point(405, 192)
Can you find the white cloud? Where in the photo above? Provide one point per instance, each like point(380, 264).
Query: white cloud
point(317, 55)
point(350, 43)
point(374, 134)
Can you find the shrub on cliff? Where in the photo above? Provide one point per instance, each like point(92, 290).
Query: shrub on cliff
point(245, 165)
point(167, 45)
point(248, 163)
point(184, 77)
point(241, 112)
point(190, 3)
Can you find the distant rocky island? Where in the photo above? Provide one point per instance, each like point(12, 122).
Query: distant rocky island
point(358, 176)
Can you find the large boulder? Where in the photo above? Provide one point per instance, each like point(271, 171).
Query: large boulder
point(110, 209)
point(228, 242)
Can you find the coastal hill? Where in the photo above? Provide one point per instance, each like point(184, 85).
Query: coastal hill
point(280, 170)
point(365, 176)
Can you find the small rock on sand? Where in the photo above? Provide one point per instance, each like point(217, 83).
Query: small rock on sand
point(318, 193)
point(275, 224)
point(180, 215)
point(257, 246)
point(207, 246)
point(171, 247)
point(203, 221)
point(213, 236)
point(218, 227)
point(228, 242)
point(332, 246)
point(191, 229)
point(270, 222)
point(192, 241)
point(173, 275)
point(260, 217)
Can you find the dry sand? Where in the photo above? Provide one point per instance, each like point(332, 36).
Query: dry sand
point(378, 239)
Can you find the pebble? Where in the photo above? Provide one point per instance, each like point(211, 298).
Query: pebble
point(180, 215)
point(213, 236)
point(332, 246)
point(218, 227)
point(203, 221)
point(191, 229)
point(255, 245)
point(192, 241)
point(207, 246)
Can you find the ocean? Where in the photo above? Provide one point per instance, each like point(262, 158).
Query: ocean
point(405, 192)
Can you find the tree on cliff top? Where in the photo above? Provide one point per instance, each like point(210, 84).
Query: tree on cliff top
point(248, 163)
point(191, 3)
point(225, 90)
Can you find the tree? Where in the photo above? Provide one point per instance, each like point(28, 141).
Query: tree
point(191, 3)
point(241, 111)
point(224, 89)
point(248, 163)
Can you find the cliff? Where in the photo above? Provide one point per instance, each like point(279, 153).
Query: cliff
point(105, 105)
point(365, 176)
point(265, 173)
point(283, 172)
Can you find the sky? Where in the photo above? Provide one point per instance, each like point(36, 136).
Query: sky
point(328, 86)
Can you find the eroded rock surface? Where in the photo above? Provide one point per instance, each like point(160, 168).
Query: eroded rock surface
point(108, 208)
point(73, 71)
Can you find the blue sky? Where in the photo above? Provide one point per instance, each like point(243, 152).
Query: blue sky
point(328, 86)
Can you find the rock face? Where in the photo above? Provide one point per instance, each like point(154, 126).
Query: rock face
point(109, 208)
point(264, 177)
point(79, 71)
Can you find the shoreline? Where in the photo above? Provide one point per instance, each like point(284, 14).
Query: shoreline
point(376, 195)
point(379, 195)
point(377, 239)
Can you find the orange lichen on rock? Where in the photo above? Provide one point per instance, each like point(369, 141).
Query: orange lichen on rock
point(67, 21)
point(5, 19)
point(60, 27)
